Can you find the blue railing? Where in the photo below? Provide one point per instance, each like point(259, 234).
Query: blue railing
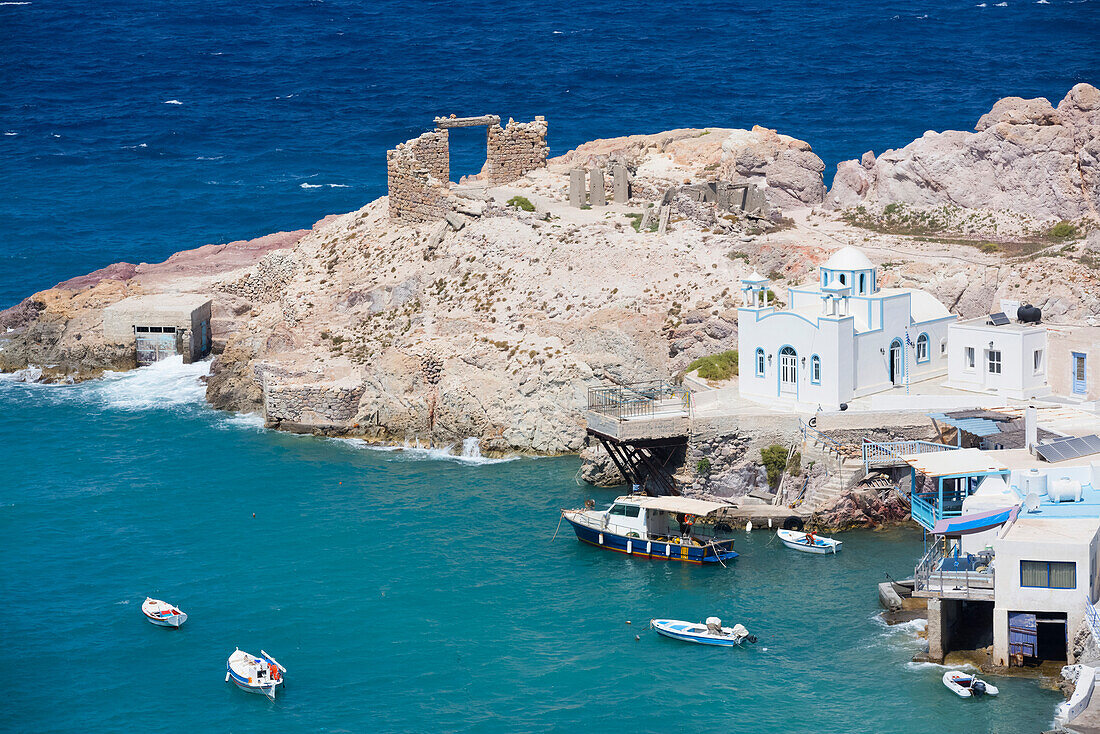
point(831, 444)
point(923, 511)
point(1092, 616)
point(889, 453)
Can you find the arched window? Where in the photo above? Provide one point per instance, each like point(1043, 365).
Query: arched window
point(815, 370)
point(922, 348)
point(759, 362)
point(843, 279)
point(863, 284)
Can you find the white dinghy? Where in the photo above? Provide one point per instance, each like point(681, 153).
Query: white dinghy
point(966, 685)
point(255, 674)
point(808, 542)
point(711, 633)
point(161, 613)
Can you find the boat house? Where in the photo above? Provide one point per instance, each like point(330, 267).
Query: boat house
point(838, 339)
point(161, 326)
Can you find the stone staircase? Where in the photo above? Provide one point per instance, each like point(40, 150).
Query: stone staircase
point(843, 467)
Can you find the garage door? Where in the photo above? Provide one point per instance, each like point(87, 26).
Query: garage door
point(154, 343)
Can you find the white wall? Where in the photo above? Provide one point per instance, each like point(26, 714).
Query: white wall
point(1018, 378)
point(1011, 597)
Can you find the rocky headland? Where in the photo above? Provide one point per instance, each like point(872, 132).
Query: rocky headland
point(493, 321)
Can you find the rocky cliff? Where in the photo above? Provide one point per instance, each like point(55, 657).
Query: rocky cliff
point(1024, 156)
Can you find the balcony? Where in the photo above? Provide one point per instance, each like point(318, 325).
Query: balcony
point(942, 574)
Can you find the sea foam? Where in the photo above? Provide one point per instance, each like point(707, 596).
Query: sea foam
point(468, 453)
point(165, 384)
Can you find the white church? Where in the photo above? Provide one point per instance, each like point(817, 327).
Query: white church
point(841, 338)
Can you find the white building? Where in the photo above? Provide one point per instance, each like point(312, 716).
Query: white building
point(838, 339)
point(1008, 360)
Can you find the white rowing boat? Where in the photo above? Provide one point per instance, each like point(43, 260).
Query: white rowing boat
point(162, 614)
point(808, 542)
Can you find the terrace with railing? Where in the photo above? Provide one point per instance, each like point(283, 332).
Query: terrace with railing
point(877, 454)
point(946, 575)
point(640, 410)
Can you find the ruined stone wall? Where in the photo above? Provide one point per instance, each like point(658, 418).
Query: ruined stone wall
point(515, 149)
point(320, 404)
point(416, 174)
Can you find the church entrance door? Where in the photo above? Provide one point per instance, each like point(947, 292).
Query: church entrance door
point(897, 362)
point(788, 371)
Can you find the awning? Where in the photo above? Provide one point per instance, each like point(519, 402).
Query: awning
point(975, 523)
point(974, 426)
point(673, 504)
point(957, 462)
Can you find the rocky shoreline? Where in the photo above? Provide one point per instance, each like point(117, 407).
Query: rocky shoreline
point(494, 321)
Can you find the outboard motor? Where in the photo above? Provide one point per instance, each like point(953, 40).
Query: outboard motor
point(977, 687)
point(751, 638)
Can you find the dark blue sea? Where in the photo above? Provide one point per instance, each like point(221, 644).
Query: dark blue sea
point(412, 590)
point(132, 129)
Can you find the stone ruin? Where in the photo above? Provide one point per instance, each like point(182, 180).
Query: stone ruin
point(418, 170)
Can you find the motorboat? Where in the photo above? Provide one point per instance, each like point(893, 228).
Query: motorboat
point(966, 685)
point(709, 633)
point(255, 674)
point(162, 614)
point(663, 528)
point(808, 542)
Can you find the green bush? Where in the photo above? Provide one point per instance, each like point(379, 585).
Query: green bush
point(703, 466)
point(721, 366)
point(1063, 231)
point(989, 247)
point(521, 202)
point(794, 466)
point(774, 459)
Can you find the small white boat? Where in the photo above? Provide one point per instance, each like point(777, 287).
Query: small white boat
point(161, 613)
point(967, 685)
point(710, 633)
point(808, 542)
point(255, 674)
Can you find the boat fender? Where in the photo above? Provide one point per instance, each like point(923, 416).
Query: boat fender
point(793, 523)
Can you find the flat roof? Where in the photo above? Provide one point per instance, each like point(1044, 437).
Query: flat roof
point(982, 322)
point(161, 302)
point(957, 461)
point(673, 504)
point(1062, 529)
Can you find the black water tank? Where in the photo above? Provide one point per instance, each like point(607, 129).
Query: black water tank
point(1028, 314)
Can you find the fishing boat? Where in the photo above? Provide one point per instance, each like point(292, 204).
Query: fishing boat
point(966, 685)
point(255, 674)
point(669, 528)
point(808, 542)
point(161, 613)
point(710, 633)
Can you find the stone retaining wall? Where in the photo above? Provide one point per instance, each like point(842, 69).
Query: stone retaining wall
point(311, 404)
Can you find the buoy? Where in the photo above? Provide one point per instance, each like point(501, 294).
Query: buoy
point(637, 637)
point(769, 522)
point(765, 649)
point(748, 526)
point(253, 514)
point(628, 621)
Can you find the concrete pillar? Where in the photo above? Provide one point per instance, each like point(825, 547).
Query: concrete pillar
point(620, 183)
point(936, 631)
point(596, 195)
point(1000, 637)
point(577, 195)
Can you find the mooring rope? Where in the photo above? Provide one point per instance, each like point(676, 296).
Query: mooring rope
point(559, 526)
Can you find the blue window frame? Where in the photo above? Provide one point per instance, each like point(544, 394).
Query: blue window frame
point(759, 362)
point(1048, 574)
point(922, 348)
point(815, 370)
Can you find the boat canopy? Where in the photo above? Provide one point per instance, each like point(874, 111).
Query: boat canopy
point(672, 504)
point(976, 522)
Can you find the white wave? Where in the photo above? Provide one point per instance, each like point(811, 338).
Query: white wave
point(210, 157)
point(1001, 5)
point(929, 666)
point(980, 5)
point(172, 101)
point(11, 3)
point(337, 186)
point(468, 453)
point(10, 132)
point(311, 186)
point(1042, 2)
point(165, 384)
point(253, 421)
point(56, 135)
point(123, 602)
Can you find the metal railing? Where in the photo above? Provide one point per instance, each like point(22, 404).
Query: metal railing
point(1092, 616)
point(890, 453)
point(631, 400)
point(931, 577)
point(830, 444)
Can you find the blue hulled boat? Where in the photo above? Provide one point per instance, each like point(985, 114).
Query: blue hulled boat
point(668, 528)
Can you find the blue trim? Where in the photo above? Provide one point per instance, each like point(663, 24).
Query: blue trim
point(758, 366)
point(815, 367)
point(890, 377)
point(927, 348)
point(779, 370)
point(1048, 586)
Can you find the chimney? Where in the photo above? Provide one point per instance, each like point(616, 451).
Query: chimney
point(1031, 431)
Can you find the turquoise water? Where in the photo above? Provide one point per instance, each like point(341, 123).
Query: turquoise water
point(404, 591)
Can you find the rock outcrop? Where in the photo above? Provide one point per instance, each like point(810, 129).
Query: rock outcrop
point(861, 508)
point(1025, 156)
